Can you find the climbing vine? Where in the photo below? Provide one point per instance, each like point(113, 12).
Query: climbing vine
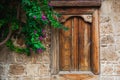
point(27, 19)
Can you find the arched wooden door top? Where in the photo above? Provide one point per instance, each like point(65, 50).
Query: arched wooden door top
point(85, 17)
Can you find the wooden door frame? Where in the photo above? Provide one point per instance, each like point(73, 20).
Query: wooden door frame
point(95, 38)
point(59, 3)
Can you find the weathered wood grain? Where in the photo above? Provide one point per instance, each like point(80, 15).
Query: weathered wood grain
point(55, 51)
point(75, 62)
point(84, 53)
point(95, 44)
point(79, 76)
point(65, 47)
point(63, 3)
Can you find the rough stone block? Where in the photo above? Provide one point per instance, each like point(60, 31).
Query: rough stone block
point(107, 69)
point(46, 79)
point(117, 69)
point(117, 29)
point(37, 78)
point(117, 48)
point(42, 78)
point(107, 78)
point(116, 19)
point(106, 7)
point(44, 73)
point(3, 54)
point(46, 58)
point(3, 78)
point(2, 70)
point(28, 78)
point(105, 19)
point(16, 69)
point(116, 6)
point(117, 78)
point(108, 39)
point(10, 57)
point(106, 28)
point(44, 67)
point(21, 58)
point(6, 56)
point(117, 39)
point(44, 70)
point(32, 69)
point(15, 78)
point(108, 53)
point(39, 58)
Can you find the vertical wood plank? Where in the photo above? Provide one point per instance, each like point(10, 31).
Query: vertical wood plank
point(54, 51)
point(84, 46)
point(75, 44)
point(65, 47)
point(81, 45)
point(95, 44)
point(87, 44)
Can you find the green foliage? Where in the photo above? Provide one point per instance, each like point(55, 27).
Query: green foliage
point(39, 14)
point(2, 22)
point(17, 49)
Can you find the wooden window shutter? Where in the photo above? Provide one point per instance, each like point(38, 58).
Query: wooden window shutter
point(78, 48)
point(75, 45)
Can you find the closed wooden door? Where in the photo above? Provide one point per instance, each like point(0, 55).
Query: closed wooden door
point(75, 45)
point(75, 52)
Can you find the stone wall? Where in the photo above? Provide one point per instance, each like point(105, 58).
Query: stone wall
point(110, 40)
point(14, 66)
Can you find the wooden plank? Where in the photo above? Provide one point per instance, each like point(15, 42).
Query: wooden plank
point(87, 44)
point(84, 53)
point(81, 44)
point(75, 44)
point(65, 47)
point(79, 76)
point(95, 44)
point(64, 3)
point(74, 11)
point(76, 0)
point(55, 51)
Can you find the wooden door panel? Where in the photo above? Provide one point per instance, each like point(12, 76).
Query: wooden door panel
point(81, 45)
point(75, 25)
point(65, 47)
point(67, 44)
point(75, 45)
point(84, 45)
